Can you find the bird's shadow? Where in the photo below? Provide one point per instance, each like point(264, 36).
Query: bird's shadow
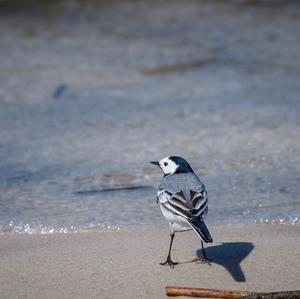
point(229, 255)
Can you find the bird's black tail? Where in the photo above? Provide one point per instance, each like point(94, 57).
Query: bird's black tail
point(201, 229)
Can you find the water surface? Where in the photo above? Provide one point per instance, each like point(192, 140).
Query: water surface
point(91, 93)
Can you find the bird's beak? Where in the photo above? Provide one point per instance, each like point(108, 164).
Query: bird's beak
point(155, 163)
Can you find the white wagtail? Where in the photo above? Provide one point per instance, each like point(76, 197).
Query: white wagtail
point(183, 200)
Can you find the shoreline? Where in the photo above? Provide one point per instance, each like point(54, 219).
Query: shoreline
point(125, 263)
point(136, 227)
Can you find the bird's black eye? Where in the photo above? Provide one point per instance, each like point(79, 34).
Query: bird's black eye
point(166, 164)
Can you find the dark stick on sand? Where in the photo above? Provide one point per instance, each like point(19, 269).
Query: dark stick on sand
point(211, 293)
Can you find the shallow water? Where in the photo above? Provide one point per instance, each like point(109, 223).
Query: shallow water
point(91, 93)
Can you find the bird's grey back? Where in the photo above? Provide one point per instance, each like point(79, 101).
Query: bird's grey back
point(184, 182)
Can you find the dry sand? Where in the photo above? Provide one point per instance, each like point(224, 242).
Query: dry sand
point(125, 264)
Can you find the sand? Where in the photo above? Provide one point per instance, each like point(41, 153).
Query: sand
point(125, 264)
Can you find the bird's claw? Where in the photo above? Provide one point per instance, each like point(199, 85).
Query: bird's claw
point(202, 259)
point(169, 262)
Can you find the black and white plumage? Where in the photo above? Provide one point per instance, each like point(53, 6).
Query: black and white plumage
point(183, 200)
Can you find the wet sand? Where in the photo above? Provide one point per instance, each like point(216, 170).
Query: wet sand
point(125, 264)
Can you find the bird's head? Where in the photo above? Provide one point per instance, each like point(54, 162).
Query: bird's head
point(173, 164)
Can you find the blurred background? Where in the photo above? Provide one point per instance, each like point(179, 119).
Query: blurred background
point(91, 91)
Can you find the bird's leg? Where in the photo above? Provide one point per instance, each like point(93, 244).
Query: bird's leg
point(169, 261)
point(204, 253)
point(203, 258)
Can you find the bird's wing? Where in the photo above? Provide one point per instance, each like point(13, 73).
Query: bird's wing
point(192, 210)
point(176, 202)
point(199, 200)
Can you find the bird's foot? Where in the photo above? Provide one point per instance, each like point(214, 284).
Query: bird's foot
point(203, 259)
point(169, 262)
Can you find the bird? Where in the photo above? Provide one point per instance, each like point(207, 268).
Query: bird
point(183, 202)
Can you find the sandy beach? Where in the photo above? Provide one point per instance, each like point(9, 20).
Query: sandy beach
point(125, 264)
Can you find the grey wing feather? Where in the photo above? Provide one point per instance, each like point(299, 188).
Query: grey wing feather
point(199, 202)
point(190, 208)
point(174, 202)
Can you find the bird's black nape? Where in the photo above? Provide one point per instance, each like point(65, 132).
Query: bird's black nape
point(183, 165)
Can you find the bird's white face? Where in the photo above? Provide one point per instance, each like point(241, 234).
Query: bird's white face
point(168, 166)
